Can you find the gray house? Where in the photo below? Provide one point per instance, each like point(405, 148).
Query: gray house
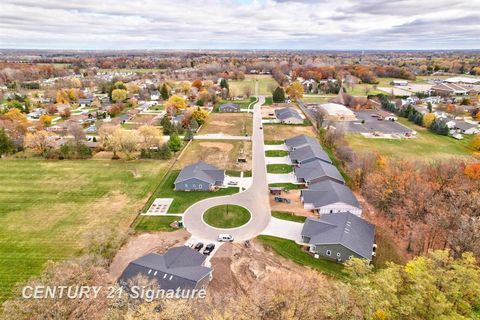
point(180, 267)
point(339, 236)
point(199, 176)
point(309, 153)
point(316, 171)
point(467, 128)
point(229, 107)
point(288, 116)
point(299, 141)
point(328, 196)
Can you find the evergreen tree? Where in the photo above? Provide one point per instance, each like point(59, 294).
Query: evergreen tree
point(175, 144)
point(6, 144)
point(194, 125)
point(164, 92)
point(224, 84)
point(429, 106)
point(279, 95)
point(167, 125)
point(188, 135)
point(164, 152)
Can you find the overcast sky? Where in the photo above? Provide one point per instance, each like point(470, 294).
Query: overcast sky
point(240, 24)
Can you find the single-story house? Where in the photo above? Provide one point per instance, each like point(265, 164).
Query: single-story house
point(288, 116)
point(316, 171)
point(309, 153)
point(464, 80)
point(155, 96)
point(336, 111)
point(229, 107)
point(199, 176)
point(445, 89)
point(329, 196)
point(180, 267)
point(399, 82)
point(339, 236)
point(299, 141)
point(466, 127)
point(85, 102)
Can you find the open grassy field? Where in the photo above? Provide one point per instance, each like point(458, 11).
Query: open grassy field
point(226, 216)
point(282, 132)
point(427, 145)
point(49, 210)
point(156, 223)
point(244, 104)
point(221, 153)
point(290, 250)
point(182, 199)
point(359, 90)
point(234, 124)
point(132, 70)
point(317, 98)
point(264, 83)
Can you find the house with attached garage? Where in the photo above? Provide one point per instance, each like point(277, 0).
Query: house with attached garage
point(339, 236)
point(316, 171)
point(199, 176)
point(299, 141)
point(309, 153)
point(229, 107)
point(288, 116)
point(466, 127)
point(179, 268)
point(329, 196)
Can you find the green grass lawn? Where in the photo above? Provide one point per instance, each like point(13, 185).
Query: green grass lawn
point(427, 145)
point(317, 98)
point(276, 153)
point(226, 216)
point(264, 83)
point(242, 103)
point(290, 250)
point(156, 223)
point(49, 210)
point(274, 142)
point(183, 199)
point(279, 168)
point(359, 90)
point(288, 186)
point(290, 216)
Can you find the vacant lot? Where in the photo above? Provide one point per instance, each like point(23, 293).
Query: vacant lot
point(282, 132)
point(264, 84)
point(427, 145)
point(223, 154)
point(268, 111)
point(317, 98)
point(49, 210)
point(234, 124)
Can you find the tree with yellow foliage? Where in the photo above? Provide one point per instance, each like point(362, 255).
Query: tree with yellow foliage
point(428, 119)
point(295, 91)
point(176, 103)
point(476, 142)
point(200, 116)
point(119, 95)
point(46, 120)
point(17, 116)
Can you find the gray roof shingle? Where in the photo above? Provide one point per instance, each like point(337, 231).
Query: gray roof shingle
point(309, 152)
point(342, 228)
point(318, 169)
point(286, 113)
point(328, 192)
point(201, 171)
point(300, 141)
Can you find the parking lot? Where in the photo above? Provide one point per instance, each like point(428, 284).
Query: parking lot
point(372, 124)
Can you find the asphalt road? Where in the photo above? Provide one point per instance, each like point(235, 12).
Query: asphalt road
point(255, 198)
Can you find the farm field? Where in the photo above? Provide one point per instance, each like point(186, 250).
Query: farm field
point(427, 145)
point(264, 83)
point(234, 124)
point(221, 153)
point(317, 98)
point(285, 131)
point(50, 210)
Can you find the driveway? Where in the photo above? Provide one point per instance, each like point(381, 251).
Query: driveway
point(278, 160)
point(284, 229)
point(241, 182)
point(282, 147)
point(255, 198)
point(281, 178)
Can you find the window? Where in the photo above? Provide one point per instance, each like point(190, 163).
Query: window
point(200, 186)
point(155, 273)
point(149, 271)
point(350, 257)
point(164, 276)
point(338, 254)
point(331, 211)
point(329, 253)
point(170, 278)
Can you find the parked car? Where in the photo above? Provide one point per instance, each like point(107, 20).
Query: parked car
point(208, 249)
point(198, 246)
point(223, 237)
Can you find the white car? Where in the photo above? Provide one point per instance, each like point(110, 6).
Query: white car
point(225, 237)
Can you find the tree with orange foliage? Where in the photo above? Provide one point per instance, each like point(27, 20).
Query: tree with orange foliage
point(472, 170)
point(197, 84)
point(476, 142)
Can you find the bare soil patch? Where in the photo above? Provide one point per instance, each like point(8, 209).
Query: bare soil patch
point(269, 111)
point(234, 124)
point(281, 132)
point(296, 206)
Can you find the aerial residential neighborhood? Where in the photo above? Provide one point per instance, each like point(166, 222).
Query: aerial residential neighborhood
point(239, 160)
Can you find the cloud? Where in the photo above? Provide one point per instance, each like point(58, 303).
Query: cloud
point(237, 24)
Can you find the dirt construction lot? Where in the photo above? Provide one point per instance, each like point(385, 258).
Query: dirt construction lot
point(269, 111)
point(234, 124)
point(295, 205)
point(223, 154)
point(281, 132)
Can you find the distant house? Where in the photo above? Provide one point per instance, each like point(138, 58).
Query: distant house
point(37, 113)
point(85, 102)
point(463, 80)
point(336, 111)
point(445, 89)
point(339, 236)
point(288, 116)
point(178, 268)
point(178, 119)
point(399, 82)
point(317, 171)
point(309, 153)
point(329, 196)
point(466, 127)
point(199, 176)
point(155, 96)
point(229, 107)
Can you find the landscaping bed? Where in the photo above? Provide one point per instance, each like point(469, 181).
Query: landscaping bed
point(226, 216)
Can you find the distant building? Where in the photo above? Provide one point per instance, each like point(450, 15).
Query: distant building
point(336, 111)
point(288, 116)
point(340, 236)
point(178, 268)
point(466, 127)
point(445, 89)
point(399, 82)
point(155, 96)
point(199, 176)
point(463, 80)
point(229, 107)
